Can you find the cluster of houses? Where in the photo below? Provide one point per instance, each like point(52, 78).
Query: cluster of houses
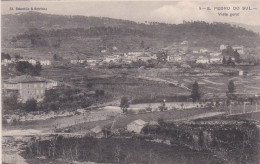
point(6, 62)
point(28, 87)
point(216, 57)
point(118, 57)
point(176, 53)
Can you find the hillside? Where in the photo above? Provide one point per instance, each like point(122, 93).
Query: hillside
point(89, 35)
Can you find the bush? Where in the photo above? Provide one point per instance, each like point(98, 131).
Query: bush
point(53, 107)
point(161, 122)
point(131, 112)
point(148, 109)
point(30, 105)
point(15, 122)
point(142, 111)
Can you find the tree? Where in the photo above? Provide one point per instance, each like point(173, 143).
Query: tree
point(124, 104)
point(162, 57)
point(5, 56)
point(237, 56)
point(27, 68)
point(17, 56)
point(55, 57)
point(53, 107)
point(231, 86)
point(231, 89)
point(23, 67)
point(224, 61)
point(229, 60)
point(37, 68)
point(30, 105)
point(51, 95)
point(195, 94)
point(10, 102)
point(163, 106)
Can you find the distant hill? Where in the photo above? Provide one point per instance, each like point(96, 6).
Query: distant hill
point(91, 34)
point(254, 28)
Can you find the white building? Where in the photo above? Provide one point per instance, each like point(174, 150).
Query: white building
point(241, 73)
point(5, 62)
point(109, 59)
point(29, 87)
point(79, 61)
point(202, 60)
point(203, 50)
point(239, 49)
point(32, 61)
point(222, 47)
point(115, 48)
point(103, 51)
point(217, 60)
point(45, 62)
point(170, 58)
point(195, 52)
point(136, 126)
point(215, 54)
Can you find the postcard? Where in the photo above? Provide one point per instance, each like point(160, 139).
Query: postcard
point(144, 82)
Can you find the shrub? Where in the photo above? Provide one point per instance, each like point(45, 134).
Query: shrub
point(142, 111)
point(131, 112)
point(30, 105)
point(53, 107)
point(15, 122)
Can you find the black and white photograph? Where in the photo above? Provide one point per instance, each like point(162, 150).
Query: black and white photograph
point(130, 82)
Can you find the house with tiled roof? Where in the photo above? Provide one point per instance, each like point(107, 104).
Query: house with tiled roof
point(28, 87)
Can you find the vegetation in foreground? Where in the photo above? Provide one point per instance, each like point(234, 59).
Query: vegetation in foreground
point(113, 150)
point(234, 139)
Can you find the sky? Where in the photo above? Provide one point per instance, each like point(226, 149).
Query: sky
point(167, 12)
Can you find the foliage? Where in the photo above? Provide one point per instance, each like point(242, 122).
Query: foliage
point(239, 138)
point(162, 57)
point(162, 107)
point(195, 93)
point(11, 103)
point(231, 87)
point(54, 107)
point(99, 93)
point(5, 56)
point(56, 57)
point(161, 122)
point(224, 61)
point(124, 104)
point(237, 56)
point(30, 105)
point(25, 67)
point(110, 150)
point(17, 56)
point(65, 97)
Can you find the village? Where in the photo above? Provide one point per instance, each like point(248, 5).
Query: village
point(117, 91)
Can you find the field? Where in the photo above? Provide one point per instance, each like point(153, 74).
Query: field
point(115, 82)
point(218, 84)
